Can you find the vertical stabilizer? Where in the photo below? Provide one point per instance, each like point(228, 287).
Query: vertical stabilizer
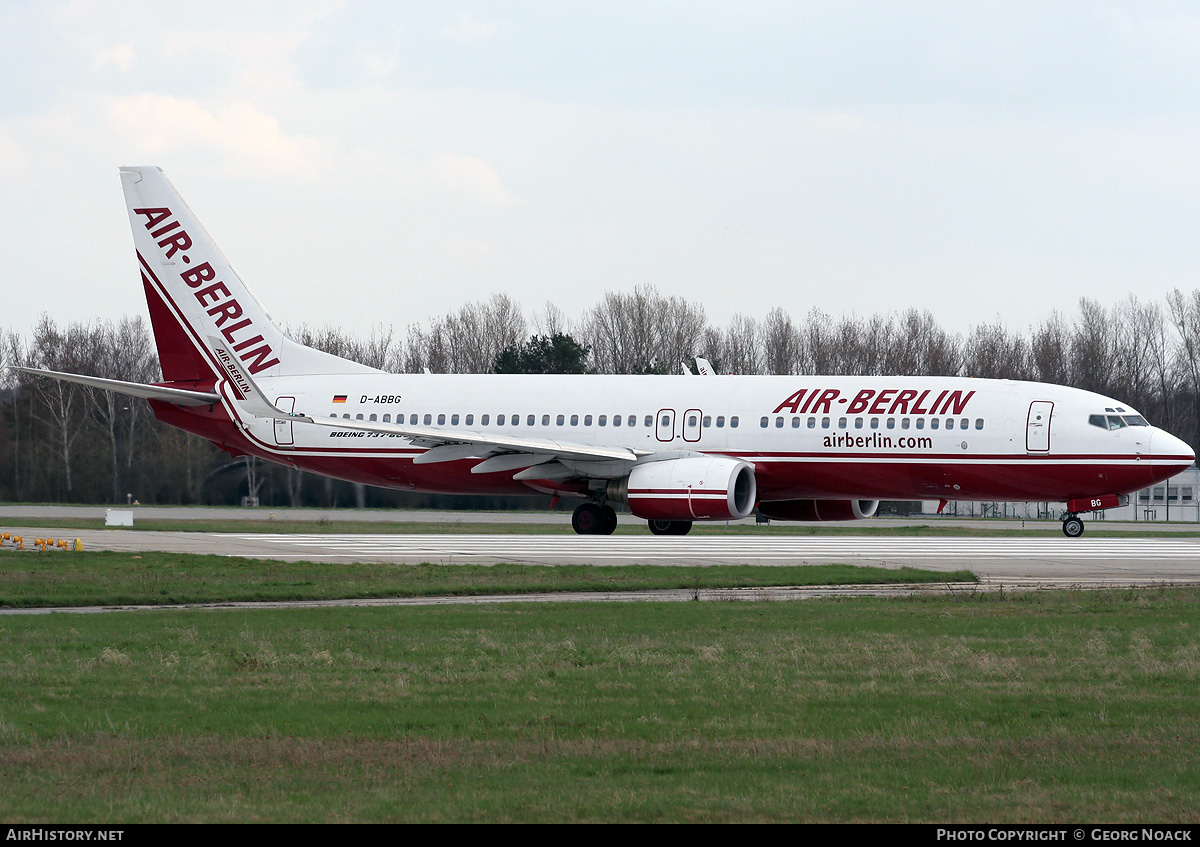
point(200, 296)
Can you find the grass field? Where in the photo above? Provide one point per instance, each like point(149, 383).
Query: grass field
point(35, 579)
point(1055, 706)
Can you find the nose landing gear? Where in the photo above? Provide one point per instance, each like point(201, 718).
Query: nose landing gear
point(1072, 526)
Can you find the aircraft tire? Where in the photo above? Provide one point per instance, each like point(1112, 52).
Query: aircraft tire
point(1072, 527)
point(588, 519)
point(608, 521)
point(664, 527)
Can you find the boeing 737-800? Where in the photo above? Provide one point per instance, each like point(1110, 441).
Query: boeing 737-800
point(673, 449)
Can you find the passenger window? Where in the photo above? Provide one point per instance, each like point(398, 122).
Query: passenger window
point(483, 420)
point(920, 423)
point(763, 422)
point(560, 420)
point(633, 421)
point(733, 422)
point(388, 418)
point(346, 416)
point(428, 419)
point(841, 423)
point(933, 423)
point(904, 423)
point(603, 420)
point(858, 423)
point(979, 423)
point(546, 420)
point(441, 419)
point(963, 423)
point(891, 423)
point(795, 423)
point(616, 420)
point(692, 419)
point(587, 420)
point(412, 419)
point(812, 423)
point(824, 423)
point(530, 420)
point(469, 419)
point(372, 418)
point(874, 423)
point(949, 423)
point(574, 420)
point(649, 420)
point(454, 420)
point(358, 417)
point(707, 421)
point(779, 422)
point(720, 421)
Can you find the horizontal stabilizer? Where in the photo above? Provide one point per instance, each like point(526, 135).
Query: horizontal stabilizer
point(178, 396)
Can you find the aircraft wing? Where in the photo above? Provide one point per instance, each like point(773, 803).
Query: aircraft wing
point(178, 396)
point(487, 442)
point(252, 400)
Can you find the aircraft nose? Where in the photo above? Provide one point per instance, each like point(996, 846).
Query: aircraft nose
point(1166, 449)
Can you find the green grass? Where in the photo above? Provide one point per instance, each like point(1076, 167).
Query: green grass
point(947, 529)
point(1054, 706)
point(57, 578)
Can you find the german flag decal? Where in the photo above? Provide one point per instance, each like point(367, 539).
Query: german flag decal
point(339, 398)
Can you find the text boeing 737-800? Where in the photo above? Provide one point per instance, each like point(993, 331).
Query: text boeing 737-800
point(674, 449)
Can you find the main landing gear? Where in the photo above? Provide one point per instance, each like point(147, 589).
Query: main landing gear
point(594, 519)
point(670, 527)
point(600, 519)
point(1072, 526)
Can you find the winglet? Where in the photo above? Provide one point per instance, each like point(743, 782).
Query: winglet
point(250, 397)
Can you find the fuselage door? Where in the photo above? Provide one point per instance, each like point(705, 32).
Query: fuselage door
point(1037, 426)
point(666, 425)
point(691, 425)
point(283, 429)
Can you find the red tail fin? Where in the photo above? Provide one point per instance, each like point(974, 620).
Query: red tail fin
point(177, 355)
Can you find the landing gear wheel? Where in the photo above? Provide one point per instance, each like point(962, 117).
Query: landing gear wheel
point(1072, 526)
point(587, 519)
point(662, 527)
point(608, 522)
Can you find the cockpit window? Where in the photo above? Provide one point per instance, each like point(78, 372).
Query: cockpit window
point(1116, 421)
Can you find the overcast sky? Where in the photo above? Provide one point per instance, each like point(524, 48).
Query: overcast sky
point(363, 163)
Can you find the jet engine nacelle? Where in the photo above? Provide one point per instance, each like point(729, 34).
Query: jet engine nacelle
point(698, 488)
point(819, 510)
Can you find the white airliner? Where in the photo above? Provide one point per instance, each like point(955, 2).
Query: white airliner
point(672, 448)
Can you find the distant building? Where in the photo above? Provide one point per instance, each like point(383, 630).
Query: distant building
point(1173, 500)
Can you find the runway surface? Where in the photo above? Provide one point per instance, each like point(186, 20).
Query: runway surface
point(1115, 561)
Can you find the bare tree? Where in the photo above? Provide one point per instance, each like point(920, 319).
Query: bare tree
point(991, 351)
point(643, 332)
point(1050, 350)
point(62, 406)
point(783, 347)
point(741, 352)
